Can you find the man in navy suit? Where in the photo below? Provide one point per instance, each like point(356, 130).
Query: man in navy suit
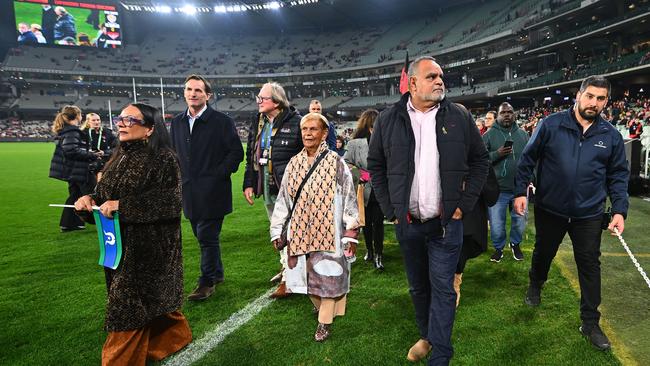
point(209, 151)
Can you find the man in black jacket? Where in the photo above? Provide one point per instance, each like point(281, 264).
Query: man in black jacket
point(273, 139)
point(209, 151)
point(428, 166)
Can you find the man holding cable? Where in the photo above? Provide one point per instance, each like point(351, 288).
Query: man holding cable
point(580, 161)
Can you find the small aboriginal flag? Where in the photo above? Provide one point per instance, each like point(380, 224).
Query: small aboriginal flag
point(404, 78)
point(110, 240)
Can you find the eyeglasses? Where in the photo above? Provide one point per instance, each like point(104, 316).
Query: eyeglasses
point(262, 99)
point(127, 121)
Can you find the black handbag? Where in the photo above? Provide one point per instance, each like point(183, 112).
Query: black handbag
point(282, 241)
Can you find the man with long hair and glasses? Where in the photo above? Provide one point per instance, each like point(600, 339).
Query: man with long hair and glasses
point(273, 139)
point(209, 151)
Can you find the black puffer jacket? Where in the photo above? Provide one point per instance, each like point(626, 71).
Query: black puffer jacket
point(71, 156)
point(285, 143)
point(463, 165)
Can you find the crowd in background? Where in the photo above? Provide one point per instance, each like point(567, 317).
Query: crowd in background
point(623, 113)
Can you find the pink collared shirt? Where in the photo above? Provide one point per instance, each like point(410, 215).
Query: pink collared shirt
point(426, 190)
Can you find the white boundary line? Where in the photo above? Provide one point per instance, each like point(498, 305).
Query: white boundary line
point(199, 348)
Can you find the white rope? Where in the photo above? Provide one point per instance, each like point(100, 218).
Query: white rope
point(629, 252)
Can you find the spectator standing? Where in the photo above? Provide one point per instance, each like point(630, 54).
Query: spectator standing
point(316, 107)
point(70, 163)
point(357, 155)
point(505, 142)
point(490, 118)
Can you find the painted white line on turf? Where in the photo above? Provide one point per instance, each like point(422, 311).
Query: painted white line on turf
point(197, 349)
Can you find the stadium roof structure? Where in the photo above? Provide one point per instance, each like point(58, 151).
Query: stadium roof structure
point(317, 12)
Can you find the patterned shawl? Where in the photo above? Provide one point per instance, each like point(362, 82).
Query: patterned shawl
point(312, 222)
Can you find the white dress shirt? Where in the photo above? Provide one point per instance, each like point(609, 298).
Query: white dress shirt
point(192, 119)
point(426, 191)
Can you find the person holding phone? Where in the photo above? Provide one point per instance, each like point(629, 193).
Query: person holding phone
point(505, 141)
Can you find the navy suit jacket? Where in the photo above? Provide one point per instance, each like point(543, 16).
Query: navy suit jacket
point(208, 156)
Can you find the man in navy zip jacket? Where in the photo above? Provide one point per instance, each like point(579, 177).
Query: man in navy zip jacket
point(580, 161)
point(428, 166)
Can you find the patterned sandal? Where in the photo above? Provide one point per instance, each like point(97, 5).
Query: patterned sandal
point(322, 332)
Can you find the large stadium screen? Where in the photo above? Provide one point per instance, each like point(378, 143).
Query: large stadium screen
point(68, 23)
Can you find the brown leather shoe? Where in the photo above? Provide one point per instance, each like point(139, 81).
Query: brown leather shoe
point(322, 332)
point(458, 279)
point(201, 293)
point(419, 350)
point(280, 292)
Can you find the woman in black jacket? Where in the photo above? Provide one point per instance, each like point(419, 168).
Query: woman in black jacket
point(70, 163)
point(99, 139)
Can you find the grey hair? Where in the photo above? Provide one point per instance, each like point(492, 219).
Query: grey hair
point(316, 117)
point(278, 95)
point(413, 67)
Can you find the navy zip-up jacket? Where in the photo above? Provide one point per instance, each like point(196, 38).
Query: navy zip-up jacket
point(575, 171)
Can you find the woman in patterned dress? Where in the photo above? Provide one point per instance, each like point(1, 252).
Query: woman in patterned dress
point(324, 224)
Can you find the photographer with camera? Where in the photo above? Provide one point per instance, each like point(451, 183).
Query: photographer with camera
point(100, 140)
point(580, 160)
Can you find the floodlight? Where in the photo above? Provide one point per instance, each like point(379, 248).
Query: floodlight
point(164, 9)
point(219, 8)
point(189, 10)
point(273, 5)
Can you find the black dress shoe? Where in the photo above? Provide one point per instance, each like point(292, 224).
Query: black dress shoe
point(67, 229)
point(596, 336)
point(378, 262)
point(533, 296)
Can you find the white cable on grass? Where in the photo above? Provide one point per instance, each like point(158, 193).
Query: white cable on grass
point(629, 252)
point(197, 349)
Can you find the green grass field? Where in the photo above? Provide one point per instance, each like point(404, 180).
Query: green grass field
point(53, 294)
point(31, 13)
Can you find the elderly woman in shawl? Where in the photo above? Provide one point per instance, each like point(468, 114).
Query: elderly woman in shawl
point(323, 226)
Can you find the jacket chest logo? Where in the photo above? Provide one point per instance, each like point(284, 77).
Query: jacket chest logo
point(286, 130)
point(601, 145)
point(284, 142)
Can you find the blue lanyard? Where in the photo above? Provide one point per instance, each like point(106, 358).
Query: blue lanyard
point(266, 136)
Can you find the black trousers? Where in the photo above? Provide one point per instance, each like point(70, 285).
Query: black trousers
point(585, 237)
point(68, 218)
point(373, 231)
point(75, 190)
